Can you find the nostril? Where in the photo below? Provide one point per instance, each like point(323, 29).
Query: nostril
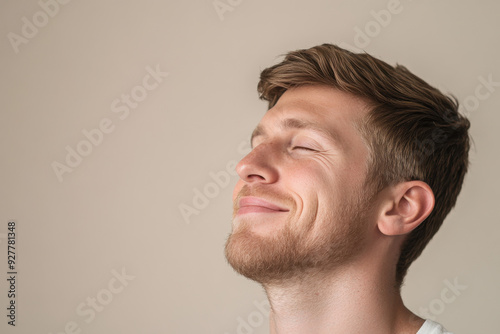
point(255, 176)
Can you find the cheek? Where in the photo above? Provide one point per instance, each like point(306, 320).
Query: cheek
point(311, 182)
point(312, 174)
point(319, 184)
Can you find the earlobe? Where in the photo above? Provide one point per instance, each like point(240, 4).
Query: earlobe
point(405, 206)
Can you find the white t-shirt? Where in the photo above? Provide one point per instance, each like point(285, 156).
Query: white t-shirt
point(431, 327)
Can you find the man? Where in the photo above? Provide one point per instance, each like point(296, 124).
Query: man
point(352, 171)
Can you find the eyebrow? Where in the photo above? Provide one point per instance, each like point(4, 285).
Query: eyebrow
point(294, 123)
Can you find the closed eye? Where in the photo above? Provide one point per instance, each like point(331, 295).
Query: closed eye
point(302, 148)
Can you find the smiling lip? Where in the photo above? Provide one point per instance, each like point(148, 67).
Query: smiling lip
point(249, 204)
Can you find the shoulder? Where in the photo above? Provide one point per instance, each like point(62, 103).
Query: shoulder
point(431, 327)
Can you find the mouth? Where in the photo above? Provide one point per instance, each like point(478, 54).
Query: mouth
point(251, 204)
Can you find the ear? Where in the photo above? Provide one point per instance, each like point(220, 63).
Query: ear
point(405, 206)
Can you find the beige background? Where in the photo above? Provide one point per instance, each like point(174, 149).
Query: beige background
point(119, 209)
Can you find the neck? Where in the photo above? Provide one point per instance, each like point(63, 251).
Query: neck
point(360, 298)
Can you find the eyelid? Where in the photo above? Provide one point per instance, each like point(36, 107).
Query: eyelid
point(254, 145)
point(303, 148)
point(305, 144)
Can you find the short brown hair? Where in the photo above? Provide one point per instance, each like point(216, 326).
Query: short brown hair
point(414, 132)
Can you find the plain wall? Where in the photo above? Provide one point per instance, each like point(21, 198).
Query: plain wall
point(117, 210)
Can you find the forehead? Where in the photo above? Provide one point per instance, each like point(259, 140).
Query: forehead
point(326, 108)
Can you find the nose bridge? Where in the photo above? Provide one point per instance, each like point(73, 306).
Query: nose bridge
point(260, 164)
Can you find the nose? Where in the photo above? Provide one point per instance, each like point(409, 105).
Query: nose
point(258, 165)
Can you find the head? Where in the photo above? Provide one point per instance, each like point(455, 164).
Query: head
point(388, 129)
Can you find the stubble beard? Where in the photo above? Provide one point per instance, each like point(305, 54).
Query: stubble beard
point(291, 252)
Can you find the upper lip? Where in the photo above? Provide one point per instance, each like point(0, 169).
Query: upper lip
point(256, 201)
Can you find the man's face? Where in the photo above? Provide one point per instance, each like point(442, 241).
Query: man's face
point(301, 203)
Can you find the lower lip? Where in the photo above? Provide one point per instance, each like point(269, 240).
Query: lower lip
point(258, 209)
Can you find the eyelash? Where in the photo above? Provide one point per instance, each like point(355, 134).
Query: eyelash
point(302, 148)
